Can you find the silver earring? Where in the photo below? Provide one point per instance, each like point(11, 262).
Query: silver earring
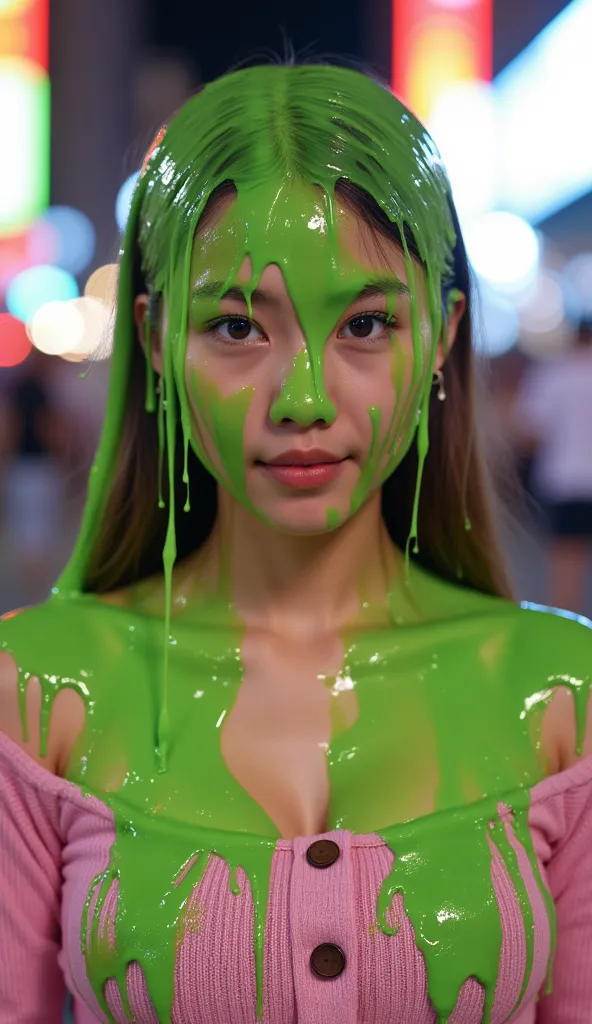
point(439, 380)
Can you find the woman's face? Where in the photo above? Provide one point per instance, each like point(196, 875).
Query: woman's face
point(303, 408)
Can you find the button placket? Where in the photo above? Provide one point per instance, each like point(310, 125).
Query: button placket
point(323, 929)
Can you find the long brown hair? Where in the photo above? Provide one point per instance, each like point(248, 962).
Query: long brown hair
point(458, 538)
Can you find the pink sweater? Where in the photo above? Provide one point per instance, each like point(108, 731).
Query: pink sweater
point(54, 841)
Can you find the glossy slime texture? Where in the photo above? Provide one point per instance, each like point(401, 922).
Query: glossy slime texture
point(150, 733)
point(423, 678)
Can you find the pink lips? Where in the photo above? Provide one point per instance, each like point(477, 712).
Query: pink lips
point(304, 469)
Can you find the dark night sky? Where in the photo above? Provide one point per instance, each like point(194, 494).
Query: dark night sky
point(217, 35)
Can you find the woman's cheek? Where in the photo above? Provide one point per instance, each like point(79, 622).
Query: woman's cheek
point(219, 429)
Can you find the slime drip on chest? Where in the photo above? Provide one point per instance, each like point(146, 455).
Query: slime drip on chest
point(169, 822)
point(407, 683)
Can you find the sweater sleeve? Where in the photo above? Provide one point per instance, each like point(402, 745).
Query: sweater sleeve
point(32, 988)
point(568, 820)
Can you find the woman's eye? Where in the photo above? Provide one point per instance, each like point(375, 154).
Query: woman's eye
point(368, 325)
point(234, 329)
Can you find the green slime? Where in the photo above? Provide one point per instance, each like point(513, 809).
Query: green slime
point(468, 672)
point(477, 673)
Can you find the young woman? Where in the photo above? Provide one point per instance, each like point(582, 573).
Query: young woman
point(280, 746)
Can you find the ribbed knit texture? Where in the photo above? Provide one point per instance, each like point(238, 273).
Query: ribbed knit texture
point(54, 840)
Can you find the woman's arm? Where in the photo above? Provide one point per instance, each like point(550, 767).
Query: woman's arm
point(569, 867)
point(32, 987)
point(569, 873)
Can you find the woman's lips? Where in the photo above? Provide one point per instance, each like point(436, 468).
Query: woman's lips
point(304, 477)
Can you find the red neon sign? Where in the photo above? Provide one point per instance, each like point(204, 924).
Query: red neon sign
point(437, 43)
point(24, 31)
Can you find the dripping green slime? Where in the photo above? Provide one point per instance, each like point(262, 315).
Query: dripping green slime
point(149, 731)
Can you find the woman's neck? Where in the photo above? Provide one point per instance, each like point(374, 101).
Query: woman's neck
point(301, 586)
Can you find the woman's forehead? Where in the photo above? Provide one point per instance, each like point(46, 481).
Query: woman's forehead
point(301, 225)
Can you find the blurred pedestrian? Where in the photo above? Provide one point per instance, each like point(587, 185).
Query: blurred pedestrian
point(32, 478)
point(554, 411)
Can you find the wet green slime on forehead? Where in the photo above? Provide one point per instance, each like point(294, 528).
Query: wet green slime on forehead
point(428, 682)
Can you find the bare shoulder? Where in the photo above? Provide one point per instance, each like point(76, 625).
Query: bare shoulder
point(559, 643)
point(23, 724)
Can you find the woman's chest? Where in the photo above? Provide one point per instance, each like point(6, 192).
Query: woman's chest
point(291, 739)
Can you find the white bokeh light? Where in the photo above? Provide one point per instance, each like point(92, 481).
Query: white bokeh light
point(496, 325)
point(543, 102)
point(463, 125)
point(504, 250)
point(57, 327)
point(77, 329)
point(96, 322)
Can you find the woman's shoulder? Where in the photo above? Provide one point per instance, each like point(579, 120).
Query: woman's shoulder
point(21, 717)
point(557, 640)
point(43, 653)
point(556, 646)
point(542, 658)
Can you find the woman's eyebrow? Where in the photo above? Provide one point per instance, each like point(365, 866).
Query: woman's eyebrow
point(379, 286)
point(212, 289)
point(388, 285)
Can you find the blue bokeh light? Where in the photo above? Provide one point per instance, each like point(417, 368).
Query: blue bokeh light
point(124, 200)
point(31, 289)
point(74, 238)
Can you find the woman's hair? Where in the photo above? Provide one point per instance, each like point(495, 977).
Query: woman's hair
point(456, 528)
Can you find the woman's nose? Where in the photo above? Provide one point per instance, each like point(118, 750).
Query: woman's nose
point(302, 397)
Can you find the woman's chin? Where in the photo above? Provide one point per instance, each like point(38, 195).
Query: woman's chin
point(312, 521)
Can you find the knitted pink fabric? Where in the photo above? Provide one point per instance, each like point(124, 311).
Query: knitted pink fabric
point(53, 841)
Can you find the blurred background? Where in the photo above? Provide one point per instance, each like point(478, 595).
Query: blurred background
point(504, 88)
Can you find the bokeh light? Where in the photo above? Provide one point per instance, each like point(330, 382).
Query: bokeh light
point(578, 273)
point(440, 57)
point(547, 344)
point(73, 357)
point(13, 6)
point(24, 177)
point(504, 249)
point(57, 327)
point(102, 284)
point(75, 330)
point(455, 5)
point(496, 323)
point(96, 318)
point(35, 287)
point(124, 200)
point(41, 244)
point(15, 345)
point(74, 237)
point(470, 153)
point(542, 309)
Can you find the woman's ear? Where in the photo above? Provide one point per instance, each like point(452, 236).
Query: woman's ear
point(145, 324)
point(455, 310)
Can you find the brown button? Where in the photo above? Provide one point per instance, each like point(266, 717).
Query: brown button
point(327, 961)
point(323, 853)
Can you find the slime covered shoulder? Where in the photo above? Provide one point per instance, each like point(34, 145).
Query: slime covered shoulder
point(481, 675)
